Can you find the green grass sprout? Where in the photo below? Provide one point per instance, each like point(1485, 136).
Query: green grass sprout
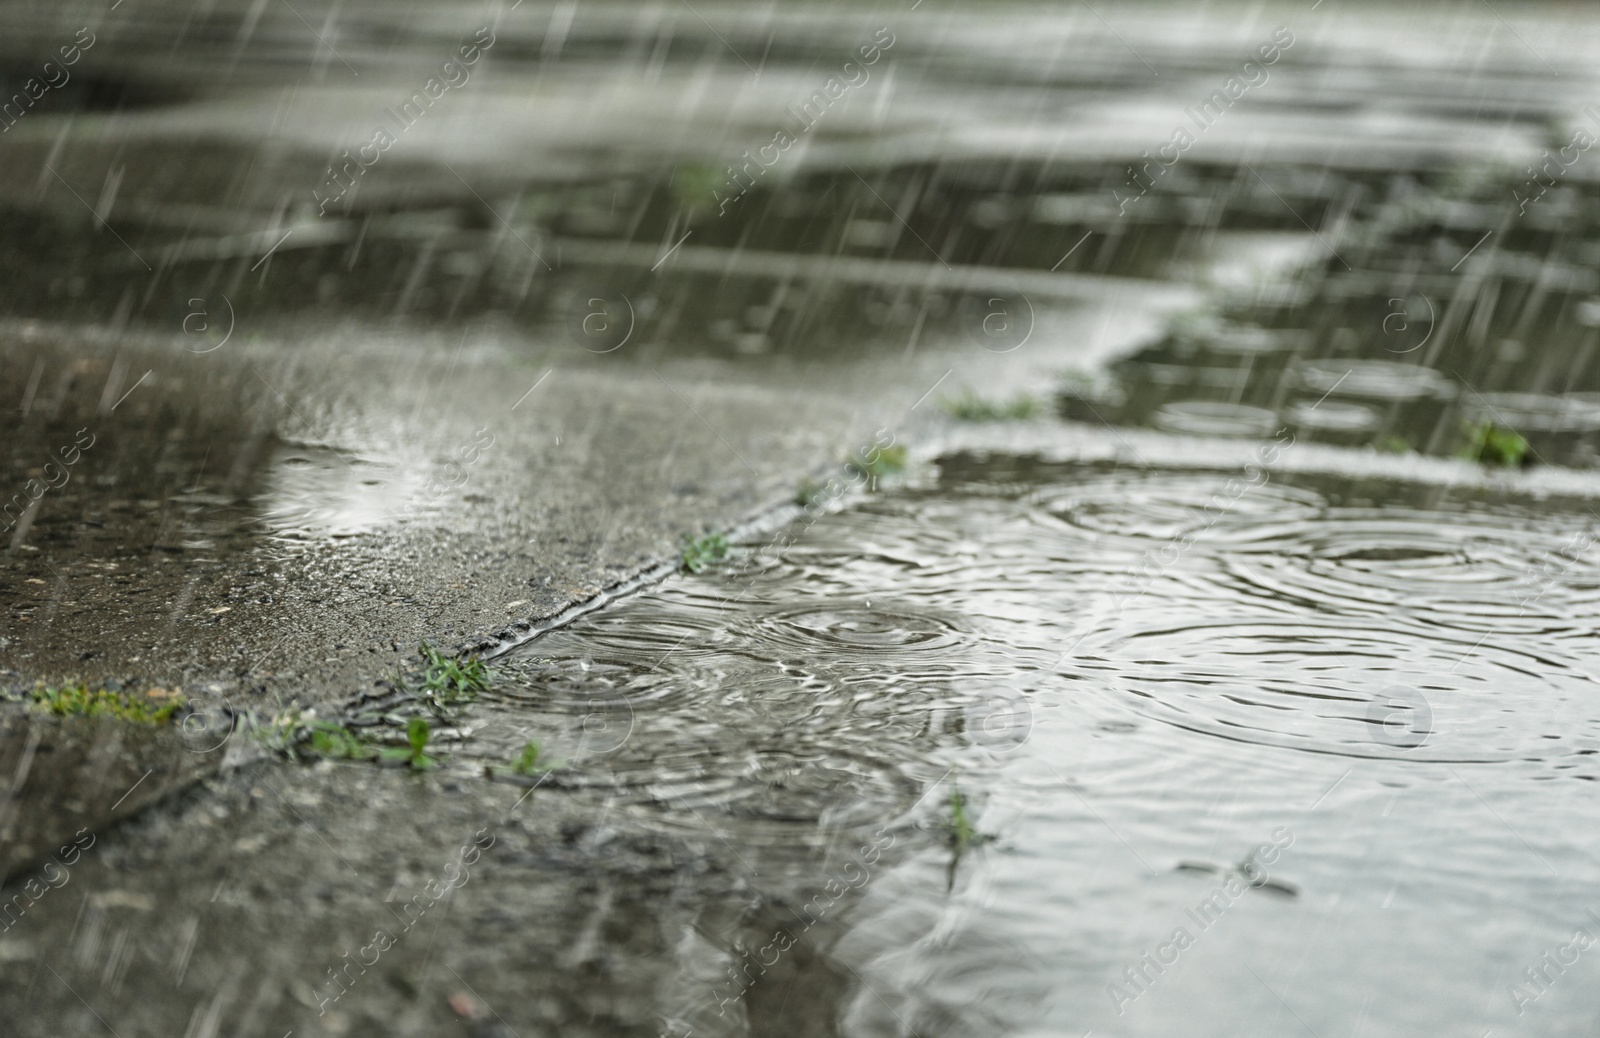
point(959, 827)
point(449, 680)
point(528, 762)
point(417, 733)
point(700, 553)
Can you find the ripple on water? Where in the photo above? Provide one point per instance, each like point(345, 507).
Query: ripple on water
point(1261, 631)
point(578, 684)
point(1329, 684)
point(1166, 506)
point(1471, 572)
point(1384, 380)
point(688, 699)
point(774, 708)
point(888, 630)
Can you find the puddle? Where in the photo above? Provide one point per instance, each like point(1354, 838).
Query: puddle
point(782, 276)
point(1386, 686)
point(311, 492)
point(1340, 730)
point(1405, 338)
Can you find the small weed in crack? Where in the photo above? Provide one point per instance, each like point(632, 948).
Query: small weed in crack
point(412, 754)
point(700, 553)
point(452, 680)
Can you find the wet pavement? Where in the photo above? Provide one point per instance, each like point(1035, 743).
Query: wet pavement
point(956, 751)
point(1386, 706)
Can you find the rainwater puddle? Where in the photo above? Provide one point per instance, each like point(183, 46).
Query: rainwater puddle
point(314, 491)
point(1320, 760)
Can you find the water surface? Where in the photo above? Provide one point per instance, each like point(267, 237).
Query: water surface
point(1379, 691)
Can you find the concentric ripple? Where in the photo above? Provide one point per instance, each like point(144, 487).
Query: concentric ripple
point(774, 718)
point(1326, 685)
point(1150, 619)
point(886, 630)
point(1467, 571)
point(1168, 506)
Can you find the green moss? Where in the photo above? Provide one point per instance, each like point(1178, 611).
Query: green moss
point(152, 708)
point(970, 407)
point(291, 732)
point(700, 553)
point(1495, 445)
point(1396, 445)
